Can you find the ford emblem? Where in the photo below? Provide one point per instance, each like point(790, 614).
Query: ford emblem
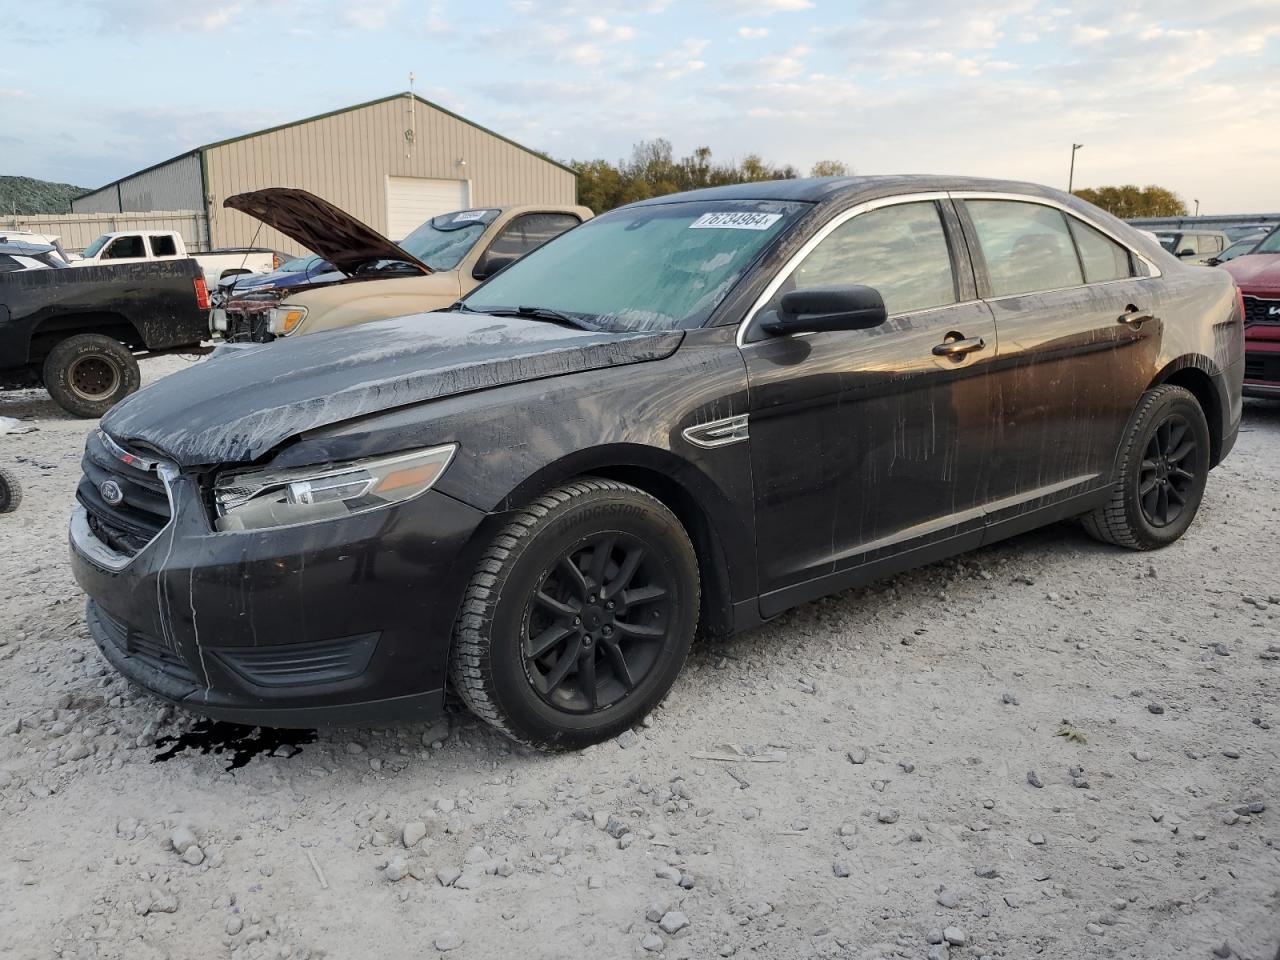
point(112, 495)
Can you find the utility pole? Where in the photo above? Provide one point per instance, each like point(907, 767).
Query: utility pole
point(1071, 177)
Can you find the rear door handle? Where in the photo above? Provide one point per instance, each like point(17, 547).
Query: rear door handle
point(958, 347)
point(1133, 315)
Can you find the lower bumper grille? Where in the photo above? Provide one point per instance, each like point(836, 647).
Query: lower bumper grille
point(152, 651)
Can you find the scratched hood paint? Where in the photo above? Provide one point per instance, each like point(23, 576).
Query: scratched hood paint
point(240, 406)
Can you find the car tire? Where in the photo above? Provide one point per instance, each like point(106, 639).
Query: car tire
point(10, 492)
point(1160, 479)
point(89, 373)
point(561, 660)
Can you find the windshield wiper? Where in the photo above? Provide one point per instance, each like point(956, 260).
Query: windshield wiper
point(536, 313)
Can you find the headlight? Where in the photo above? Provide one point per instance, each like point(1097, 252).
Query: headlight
point(282, 321)
point(258, 499)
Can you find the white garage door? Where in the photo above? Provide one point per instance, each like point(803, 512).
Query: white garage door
point(411, 201)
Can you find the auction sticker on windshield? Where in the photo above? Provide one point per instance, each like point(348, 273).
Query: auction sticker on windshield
point(736, 221)
point(469, 215)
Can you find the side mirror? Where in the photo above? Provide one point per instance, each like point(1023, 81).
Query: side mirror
point(817, 309)
point(488, 266)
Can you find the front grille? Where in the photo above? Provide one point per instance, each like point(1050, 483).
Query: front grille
point(138, 518)
point(1262, 366)
point(1257, 310)
point(152, 651)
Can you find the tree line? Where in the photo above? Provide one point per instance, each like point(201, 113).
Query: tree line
point(653, 170)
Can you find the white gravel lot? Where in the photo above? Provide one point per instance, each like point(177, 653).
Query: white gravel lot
point(876, 799)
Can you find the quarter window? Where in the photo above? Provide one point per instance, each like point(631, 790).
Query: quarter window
point(1027, 246)
point(163, 246)
point(900, 250)
point(1102, 257)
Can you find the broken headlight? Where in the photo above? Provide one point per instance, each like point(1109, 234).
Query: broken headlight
point(284, 320)
point(264, 498)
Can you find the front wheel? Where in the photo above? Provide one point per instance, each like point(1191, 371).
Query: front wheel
point(578, 617)
point(1160, 482)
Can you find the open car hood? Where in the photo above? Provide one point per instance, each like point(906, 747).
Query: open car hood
point(321, 227)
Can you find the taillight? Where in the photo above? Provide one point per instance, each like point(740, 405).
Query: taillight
point(202, 293)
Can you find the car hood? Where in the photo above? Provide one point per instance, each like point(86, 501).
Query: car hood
point(1256, 272)
point(321, 227)
point(240, 406)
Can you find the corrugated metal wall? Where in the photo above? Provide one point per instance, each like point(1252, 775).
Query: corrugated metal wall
point(171, 186)
point(78, 230)
point(346, 158)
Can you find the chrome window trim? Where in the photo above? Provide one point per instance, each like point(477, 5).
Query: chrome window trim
point(790, 266)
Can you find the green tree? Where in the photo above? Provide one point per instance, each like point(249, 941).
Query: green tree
point(830, 168)
point(1131, 201)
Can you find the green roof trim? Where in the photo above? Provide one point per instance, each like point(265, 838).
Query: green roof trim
point(374, 103)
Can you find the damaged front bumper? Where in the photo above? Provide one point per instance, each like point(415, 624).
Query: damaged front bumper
point(340, 622)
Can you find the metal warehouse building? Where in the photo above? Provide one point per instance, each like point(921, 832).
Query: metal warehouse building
point(392, 163)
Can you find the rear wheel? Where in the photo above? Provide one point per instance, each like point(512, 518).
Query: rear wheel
point(579, 616)
point(10, 492)
point(1161, 478)
point(89, 373)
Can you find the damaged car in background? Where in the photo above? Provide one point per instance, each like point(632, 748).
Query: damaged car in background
point(693, 412)
point(427, 270)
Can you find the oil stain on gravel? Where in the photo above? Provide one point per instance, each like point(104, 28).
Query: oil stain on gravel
point(241, 743)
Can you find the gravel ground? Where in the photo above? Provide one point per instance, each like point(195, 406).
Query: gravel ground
point(1046, 748)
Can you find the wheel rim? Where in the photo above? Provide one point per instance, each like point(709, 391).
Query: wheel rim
point(597, 623)
point(93, 378)
point(1170, 468)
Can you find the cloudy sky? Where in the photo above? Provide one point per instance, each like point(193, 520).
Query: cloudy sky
point(1182, 93)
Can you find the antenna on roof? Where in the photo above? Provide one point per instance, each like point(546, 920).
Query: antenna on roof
point(411, 133)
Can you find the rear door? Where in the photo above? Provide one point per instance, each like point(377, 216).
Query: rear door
point(868, 446)
point(1079, 333)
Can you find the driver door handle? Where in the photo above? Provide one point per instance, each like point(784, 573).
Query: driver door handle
point(958, 347)
point(1133, 315)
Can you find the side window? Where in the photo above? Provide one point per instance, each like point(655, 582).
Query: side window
point(163, 247)
point(1027, 246)
point(122, 247)
point(1209, 243)
point(900, 250)
point(530, 231)
point(1103, 258)
point(9, 264)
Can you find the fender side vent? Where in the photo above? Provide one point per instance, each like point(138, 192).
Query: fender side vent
point(718, 433)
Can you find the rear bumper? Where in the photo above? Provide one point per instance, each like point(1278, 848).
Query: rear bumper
point(343, 622)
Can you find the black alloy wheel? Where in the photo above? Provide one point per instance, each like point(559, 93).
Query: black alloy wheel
point(597, 623)
point(578, 617)
point(1162, 467)
point(1168, 472)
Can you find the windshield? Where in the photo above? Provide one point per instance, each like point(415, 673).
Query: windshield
point(443, 241)
point(92, 249)
point(659, 267)
point(1271, 244)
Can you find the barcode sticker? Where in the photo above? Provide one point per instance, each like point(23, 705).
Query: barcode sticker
point(735, 221)
point(468, 215)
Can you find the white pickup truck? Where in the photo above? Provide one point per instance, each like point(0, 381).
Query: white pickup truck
point(136, 246)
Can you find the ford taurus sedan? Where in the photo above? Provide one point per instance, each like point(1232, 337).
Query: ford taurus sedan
point(691, 413)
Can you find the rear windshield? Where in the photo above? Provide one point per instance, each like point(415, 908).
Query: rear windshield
point(659, 267)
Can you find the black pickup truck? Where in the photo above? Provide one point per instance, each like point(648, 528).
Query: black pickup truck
point(78, 331)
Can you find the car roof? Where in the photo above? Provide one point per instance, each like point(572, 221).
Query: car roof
point(821, 189)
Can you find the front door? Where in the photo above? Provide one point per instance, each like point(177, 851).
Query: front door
point(1078, 341)
point(867, 447)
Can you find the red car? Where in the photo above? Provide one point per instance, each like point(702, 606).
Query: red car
point(1257, 274)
